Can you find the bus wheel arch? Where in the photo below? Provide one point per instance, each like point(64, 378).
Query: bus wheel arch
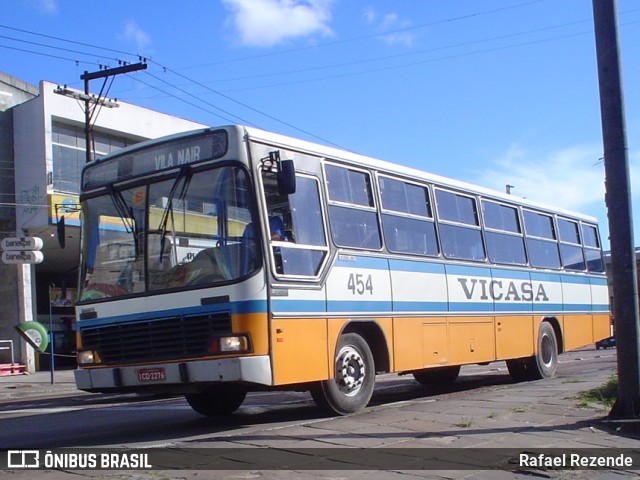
point(353, 381)
point(544, 362)
point(373, 335)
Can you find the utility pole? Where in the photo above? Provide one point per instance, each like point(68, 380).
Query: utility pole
point(623, 260)
point(88, 111)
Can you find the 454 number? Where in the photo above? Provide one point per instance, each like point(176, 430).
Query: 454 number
point(360, 284)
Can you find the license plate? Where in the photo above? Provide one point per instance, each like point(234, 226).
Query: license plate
point(151, 375)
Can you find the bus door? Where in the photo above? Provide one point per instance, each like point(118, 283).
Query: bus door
point(296, 239)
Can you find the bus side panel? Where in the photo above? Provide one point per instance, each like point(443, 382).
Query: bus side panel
point(514, 337)
point(408, 343)
point(601, 318)
point(601, 326)
point(471, 339)
point(435, 342)
point(577, 331)
point(420, 342)
point(299, 350)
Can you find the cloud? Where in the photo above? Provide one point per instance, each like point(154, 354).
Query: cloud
point(47, 7)
point(570, 178)
point(134, 34)
point(391, 23)
point(264, 23)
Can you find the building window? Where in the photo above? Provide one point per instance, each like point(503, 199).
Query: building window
point(69, 154)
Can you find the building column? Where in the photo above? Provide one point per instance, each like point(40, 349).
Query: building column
point(26, 310)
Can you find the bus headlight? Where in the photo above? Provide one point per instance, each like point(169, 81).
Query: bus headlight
point(87, 357)
point(229, 344)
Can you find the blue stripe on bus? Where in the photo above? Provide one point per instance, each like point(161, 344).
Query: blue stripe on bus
point(420, 306)
point(375, 263)
point(545, 277)
point(600, 308)
point(549, 307)
point(470, 307)
point(598, 281)
point(420, 267)
point(241, 307)
point(309, 306)
point(359, 306)
point(513, 307)
point(575, 279)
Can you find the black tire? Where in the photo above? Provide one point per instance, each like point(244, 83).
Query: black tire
point(541, 365)
point(519, 369)
point(219, 400)
point(437, 376)
point(546, 357)
point(354, 377)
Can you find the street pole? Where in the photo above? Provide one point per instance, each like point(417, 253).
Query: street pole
point(623, 261)
point(88, 112)
point(51, 336)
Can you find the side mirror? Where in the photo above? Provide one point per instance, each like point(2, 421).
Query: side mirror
point(61, 231)
point(286, 177)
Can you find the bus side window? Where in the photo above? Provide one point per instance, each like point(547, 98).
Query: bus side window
point(296, 227)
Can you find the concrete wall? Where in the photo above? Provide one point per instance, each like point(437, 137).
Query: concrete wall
point(12, 92)
point(27, 134)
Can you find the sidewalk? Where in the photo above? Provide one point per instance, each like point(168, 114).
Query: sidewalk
point(38, 384)
point(544, 414)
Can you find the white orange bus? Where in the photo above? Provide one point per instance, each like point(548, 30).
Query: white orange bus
point(232, 259)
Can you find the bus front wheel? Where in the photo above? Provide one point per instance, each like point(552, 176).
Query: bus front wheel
point(354, 377)
point(218, 400)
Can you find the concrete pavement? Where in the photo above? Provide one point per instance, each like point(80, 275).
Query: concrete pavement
point(544, 414)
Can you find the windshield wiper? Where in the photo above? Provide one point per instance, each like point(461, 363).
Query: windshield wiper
point(185, 174)
point(125, 211)
point(126, 214)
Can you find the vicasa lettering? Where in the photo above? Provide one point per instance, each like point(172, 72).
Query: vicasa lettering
point(507, 290)
point(179, 157)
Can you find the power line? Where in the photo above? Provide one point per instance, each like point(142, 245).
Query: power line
point(197, 98)
point(373, 35)
point(60, 39)
point(246, 106)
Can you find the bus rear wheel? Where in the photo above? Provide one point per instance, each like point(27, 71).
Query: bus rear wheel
point(541, 365)
point(354, 377)
point(218, 400)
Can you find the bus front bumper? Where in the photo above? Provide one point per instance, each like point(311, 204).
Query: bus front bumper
point(177, 376)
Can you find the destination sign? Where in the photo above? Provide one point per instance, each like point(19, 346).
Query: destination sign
point(173, 153)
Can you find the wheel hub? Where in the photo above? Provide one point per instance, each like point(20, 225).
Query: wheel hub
point(350, 370)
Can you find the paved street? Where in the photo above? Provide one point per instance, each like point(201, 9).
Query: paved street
point(483, 410)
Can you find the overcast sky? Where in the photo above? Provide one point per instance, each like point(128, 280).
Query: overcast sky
point(495, 92)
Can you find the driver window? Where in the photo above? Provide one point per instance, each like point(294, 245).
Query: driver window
point(296, 227)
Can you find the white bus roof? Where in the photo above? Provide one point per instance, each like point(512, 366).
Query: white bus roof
point(356, 159)
point(412, 173)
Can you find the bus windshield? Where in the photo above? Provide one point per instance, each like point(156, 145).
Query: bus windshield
point(184, 231)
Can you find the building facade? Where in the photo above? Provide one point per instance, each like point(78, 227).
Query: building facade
point(42, 152)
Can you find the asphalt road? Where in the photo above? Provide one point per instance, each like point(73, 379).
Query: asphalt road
point(134, 421)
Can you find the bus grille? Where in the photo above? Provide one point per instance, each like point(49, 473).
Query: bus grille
point(152, 340)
